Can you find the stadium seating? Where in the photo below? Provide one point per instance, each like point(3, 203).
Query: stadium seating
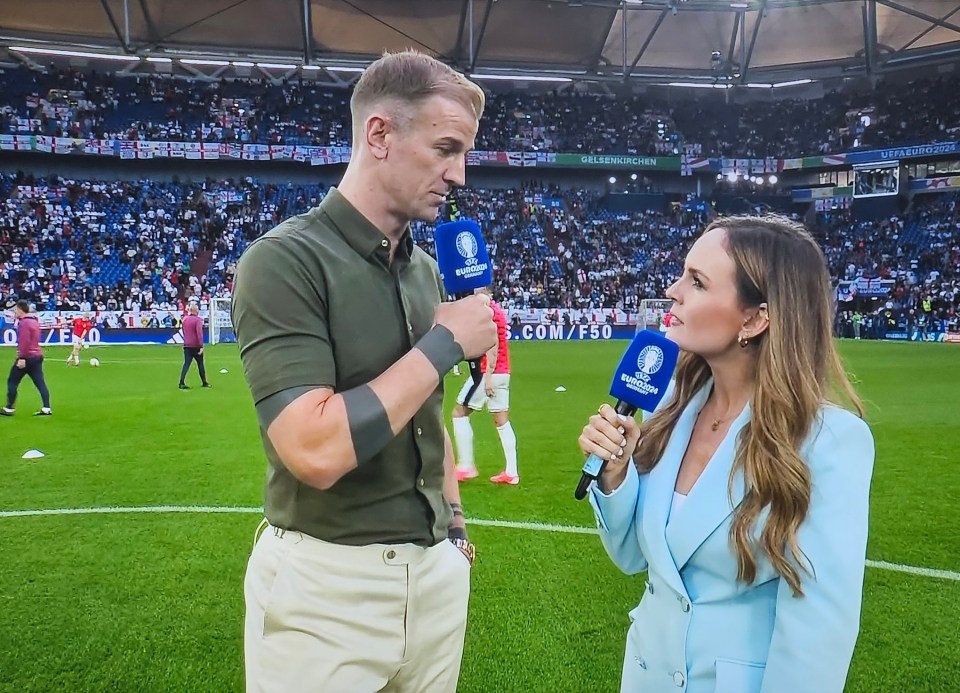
point(74, 104)
point(103, 245)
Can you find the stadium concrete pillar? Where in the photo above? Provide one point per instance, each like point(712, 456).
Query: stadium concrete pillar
point(623, 38)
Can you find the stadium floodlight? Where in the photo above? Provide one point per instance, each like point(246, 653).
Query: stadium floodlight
point(522, 78)
point(792, 83)
point(336, 68)
point(277, 66)
point(773, 180)
point(732, 177)
point(612, 180)
point(159, 60)
point(241, 63)
point(698, 85)
point(759, 85)
point(72, 54)
point(202, 61)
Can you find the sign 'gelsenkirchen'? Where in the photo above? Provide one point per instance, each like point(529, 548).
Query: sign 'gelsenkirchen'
point(619, 160)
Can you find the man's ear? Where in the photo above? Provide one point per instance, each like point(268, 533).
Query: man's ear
point(376, 130)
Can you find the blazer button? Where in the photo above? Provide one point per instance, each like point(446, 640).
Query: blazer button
point(684, 604)
point(679, 679)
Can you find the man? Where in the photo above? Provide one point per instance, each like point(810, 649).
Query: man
point(193, 346)
point(495, 395)
point(29, 361)
point(80, 329)
point(353, 584)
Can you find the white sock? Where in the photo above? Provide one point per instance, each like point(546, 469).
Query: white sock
point(463, 435)
point(509, 442)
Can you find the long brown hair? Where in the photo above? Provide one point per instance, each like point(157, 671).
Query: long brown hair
point(797, 371)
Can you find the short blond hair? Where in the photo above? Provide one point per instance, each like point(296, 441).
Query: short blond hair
point(409, 78)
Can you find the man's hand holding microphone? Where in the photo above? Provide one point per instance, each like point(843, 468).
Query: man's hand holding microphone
point(470, 320)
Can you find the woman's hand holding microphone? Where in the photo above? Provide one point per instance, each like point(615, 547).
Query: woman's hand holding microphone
point(611, 438)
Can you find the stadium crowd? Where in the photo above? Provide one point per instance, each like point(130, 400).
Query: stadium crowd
point(67, 103)
point(154, 246)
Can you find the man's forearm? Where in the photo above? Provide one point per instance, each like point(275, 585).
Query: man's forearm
point(322, 437)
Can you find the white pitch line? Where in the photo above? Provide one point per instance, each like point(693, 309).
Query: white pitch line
point(134, 509)
point(914, 570)
point(506, 524)
point(535, 526)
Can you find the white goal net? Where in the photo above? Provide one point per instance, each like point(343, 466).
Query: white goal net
point(220, 323)
point(650, 315)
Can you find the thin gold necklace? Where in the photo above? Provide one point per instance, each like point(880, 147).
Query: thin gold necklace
point(716, 422)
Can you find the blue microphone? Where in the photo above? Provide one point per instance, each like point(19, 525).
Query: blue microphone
point(640, 382)
point(463, 258)
point(464, 267)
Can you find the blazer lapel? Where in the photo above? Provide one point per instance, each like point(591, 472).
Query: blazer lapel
point(659, 494)
point(709, 502)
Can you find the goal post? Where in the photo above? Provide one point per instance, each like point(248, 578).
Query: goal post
point(219, 321)
point(651, 313)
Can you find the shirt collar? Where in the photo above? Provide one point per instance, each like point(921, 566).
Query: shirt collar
point(359, 232)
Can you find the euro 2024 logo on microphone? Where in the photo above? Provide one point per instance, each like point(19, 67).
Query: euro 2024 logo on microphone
point(649, 361)
point(468, 248)
point(467, 245)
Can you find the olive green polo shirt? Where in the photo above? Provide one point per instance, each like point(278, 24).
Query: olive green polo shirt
point(317, 303)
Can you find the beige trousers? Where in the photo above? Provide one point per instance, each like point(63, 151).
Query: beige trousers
point(353, 619)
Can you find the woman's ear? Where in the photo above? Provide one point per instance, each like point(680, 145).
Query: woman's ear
point(757, 323)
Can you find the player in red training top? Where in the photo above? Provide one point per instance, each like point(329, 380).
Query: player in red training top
point(81, 329)
point(494, 392)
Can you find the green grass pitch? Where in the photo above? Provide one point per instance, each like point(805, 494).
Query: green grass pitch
point(153, 602)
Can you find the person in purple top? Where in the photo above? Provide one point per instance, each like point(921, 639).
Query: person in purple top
point(193, 346)
point(29, 361)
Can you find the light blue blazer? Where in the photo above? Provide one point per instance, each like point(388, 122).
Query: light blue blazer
point(699, 630)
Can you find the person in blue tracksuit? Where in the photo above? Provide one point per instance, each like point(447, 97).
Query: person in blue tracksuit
point(745, 495)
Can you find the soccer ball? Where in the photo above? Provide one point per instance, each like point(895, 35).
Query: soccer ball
point(95, 363)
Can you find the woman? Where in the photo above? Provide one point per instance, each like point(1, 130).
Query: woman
point(745, 495)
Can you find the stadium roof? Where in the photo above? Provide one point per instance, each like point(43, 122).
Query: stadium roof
point(649, 40)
